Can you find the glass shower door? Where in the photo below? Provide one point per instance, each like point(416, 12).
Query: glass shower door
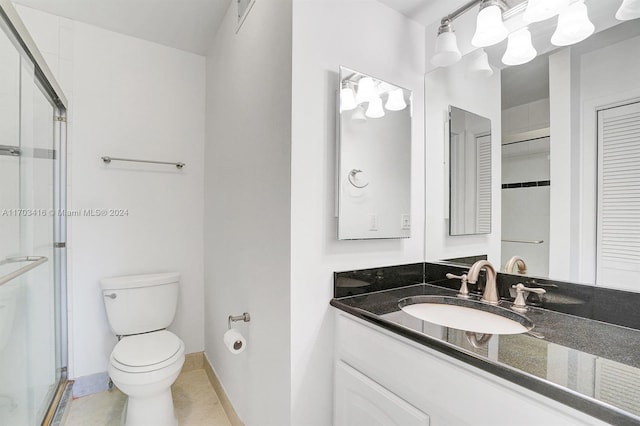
point(30, 349)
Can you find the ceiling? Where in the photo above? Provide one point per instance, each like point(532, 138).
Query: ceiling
point(184, 24)
point(424, 11)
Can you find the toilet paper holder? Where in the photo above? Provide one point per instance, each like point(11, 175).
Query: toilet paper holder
point(244, 317)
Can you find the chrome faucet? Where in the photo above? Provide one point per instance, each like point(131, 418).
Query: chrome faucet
point(490, 294)
point(511, 264)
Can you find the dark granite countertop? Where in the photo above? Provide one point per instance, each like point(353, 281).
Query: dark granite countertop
point(589, 365)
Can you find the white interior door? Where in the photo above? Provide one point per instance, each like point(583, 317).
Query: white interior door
point(618, 224)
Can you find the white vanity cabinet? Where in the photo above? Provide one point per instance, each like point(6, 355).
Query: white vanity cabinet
point(385, 379)
point(362, 402)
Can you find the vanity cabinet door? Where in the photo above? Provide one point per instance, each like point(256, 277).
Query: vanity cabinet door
point(381, 376)
point(359, 401)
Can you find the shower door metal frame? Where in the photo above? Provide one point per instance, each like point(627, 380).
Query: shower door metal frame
point(13, 24)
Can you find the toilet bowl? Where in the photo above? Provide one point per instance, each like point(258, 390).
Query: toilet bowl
point(144, 367)
point(147, 359)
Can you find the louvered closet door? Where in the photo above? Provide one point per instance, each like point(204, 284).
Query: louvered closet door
point(483, 217)
point(619, 197)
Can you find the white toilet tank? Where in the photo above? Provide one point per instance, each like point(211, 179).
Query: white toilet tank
point(140, 303)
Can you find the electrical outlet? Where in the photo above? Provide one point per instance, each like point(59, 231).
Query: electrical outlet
point(373, 222)
point(405, 221)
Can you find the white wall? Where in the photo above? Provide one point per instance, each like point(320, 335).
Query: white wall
point(381, 148)
point(368, 37)
point(608, 77)
point(561, 214)
point(526, 117)
point(128, 98)
point(247, 208)
point(526, 161)
point(445, 87)
point(582, 81)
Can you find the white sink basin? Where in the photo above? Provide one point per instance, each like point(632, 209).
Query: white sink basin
point(465, 314)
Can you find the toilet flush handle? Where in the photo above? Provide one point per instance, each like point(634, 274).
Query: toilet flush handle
point(111, 296)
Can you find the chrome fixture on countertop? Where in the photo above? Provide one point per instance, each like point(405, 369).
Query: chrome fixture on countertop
point(520, 304)
point(490, 294)
point(513, 262)
point(464, 291)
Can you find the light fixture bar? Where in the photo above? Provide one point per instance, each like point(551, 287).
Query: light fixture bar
point(515, 10)
point(455, 14)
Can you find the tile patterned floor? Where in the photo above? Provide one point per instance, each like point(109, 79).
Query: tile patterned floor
point(194, 399)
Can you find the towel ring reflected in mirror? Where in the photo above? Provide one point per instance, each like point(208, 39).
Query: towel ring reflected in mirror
point(352, 178)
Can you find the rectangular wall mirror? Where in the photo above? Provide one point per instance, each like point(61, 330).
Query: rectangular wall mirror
point(469, 173)
point(374, 158)
point(569, 148)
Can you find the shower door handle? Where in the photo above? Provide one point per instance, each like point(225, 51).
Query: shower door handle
point(34, 262)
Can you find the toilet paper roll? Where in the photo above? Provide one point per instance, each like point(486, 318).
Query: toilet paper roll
point(234, 341)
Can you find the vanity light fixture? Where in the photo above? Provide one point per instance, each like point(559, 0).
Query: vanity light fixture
point(395, 101)
point(347, 98)
point(358, 114)
point(479, 65)
point(573, 25)
point(375, 110)
point(629, 9)
point(490, 28)
point(520, 50)
point(540, 10)
point(447, 52)
point(366, 90)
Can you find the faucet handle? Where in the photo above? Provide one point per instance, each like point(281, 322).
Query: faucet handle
point(464, 291)
point(520, 304)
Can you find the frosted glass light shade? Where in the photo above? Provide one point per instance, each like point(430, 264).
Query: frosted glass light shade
point(366, 90)
point(395, 101)
point(479, 65)
point(490, 29)
point(539, 10)
point(630, 9)
point(358, 114)
point(375, 108)
point(347, 99)
point(447, 52)
point(573, 25)
point(520, 50)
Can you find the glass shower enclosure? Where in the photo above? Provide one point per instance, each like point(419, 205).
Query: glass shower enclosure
point(32, 230)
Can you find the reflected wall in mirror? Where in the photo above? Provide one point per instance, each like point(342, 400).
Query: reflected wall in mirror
point(570, 197)
point(526, 150)
point(374, 158)
point(470, 173)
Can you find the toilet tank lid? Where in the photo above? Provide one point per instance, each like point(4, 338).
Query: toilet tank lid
point(135, 281)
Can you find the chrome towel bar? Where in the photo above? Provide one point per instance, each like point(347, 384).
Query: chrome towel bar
point(524, 241)
point(108, 160)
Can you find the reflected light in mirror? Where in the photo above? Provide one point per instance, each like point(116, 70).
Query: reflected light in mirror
point(573, 25)
point(375, 108)
point(479, 65)
point(395, 101)
point(347, 99)
point(447, 52)
point(490, 29)
point(358, 114)
point(366, 90)
point(520, 50)
point(630, 9)
point(539, 10)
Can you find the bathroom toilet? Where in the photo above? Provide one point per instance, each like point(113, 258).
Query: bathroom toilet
point(148, 358)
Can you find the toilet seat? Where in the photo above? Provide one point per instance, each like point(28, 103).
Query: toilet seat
point(142, 353)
